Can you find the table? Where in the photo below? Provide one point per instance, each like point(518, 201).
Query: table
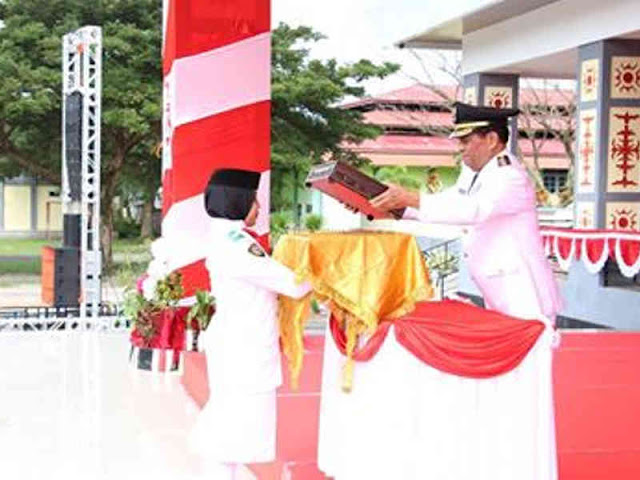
point(414, 389)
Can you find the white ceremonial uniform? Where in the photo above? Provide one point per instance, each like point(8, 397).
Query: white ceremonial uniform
point(238, 424)
point(503, 246)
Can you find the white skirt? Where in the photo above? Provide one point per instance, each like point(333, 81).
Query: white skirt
point(237, 427)
point(407, 420)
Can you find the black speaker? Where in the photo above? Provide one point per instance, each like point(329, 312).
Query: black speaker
point(66, 288)
point(61, 276)
point(73, 144)
point(71, 230)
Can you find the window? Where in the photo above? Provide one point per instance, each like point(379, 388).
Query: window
point(554, 180)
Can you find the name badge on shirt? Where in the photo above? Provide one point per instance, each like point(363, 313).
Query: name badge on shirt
point(254, 249)
point(504, 161)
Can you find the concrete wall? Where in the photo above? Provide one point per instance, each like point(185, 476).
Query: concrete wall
point(17, 208)
point(49, 209)
point(551, 30)
point(586, 299)
point(28, 209)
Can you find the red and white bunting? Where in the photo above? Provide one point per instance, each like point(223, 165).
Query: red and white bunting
point(593, 248)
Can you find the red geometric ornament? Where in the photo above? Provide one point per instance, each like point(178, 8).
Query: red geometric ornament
point(585, 215)
point(626, 78)
point(585, 221)
point(589, 80)
point(623, 219)
point(498, 97)
point(586, 176)
point(625, 150)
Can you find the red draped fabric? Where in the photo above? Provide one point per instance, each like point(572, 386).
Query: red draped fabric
point(567, 245)
point(456, 338)
point(169, 326)
point(630, 251)
point(195, 276)
point(564, 247)
point(594, 249)
point(365, 352)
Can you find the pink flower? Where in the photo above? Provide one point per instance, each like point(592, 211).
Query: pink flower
point(140, 281)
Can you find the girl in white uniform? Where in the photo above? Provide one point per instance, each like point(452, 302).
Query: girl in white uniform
point(238, 424)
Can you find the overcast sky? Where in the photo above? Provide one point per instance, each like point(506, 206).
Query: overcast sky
point(368, 29)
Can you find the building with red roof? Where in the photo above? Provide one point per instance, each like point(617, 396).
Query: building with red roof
point(416, 121)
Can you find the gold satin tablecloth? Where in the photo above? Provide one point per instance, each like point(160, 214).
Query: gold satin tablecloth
point(365, 276)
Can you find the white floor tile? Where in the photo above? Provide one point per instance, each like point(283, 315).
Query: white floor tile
point(72, 407)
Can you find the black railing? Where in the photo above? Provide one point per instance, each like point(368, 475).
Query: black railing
point(38, 318)
point(29, 313)
point(443, 261)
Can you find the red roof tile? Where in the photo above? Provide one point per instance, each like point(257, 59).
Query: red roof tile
point(404, 118)
point(423, 119)
point(421, 94)
point(427, 148)
point(427, 144)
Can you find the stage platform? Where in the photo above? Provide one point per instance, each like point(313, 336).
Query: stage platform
point(597, 397)
point(71, 407)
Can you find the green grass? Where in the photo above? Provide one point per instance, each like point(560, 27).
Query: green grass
point(125, 274)
point(132, 246)
point(30, 246)
point(29, 266)
point(131, 258)
point(24, 246)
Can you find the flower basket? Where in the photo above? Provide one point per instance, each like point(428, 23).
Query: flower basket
point(158, 333)
point(156, 359)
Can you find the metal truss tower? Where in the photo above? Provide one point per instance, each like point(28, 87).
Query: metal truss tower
point(82, 73)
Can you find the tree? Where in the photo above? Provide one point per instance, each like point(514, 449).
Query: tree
point(141, 180)
point(413, 178)
point(308, 124)
point(30, 93)
point(544, 119)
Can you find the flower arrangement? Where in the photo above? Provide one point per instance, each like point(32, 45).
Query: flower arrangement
point(169, 290)
point(199, 316)
point(202, 310)
point(145, 314)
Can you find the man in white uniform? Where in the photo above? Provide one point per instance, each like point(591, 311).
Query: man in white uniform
point(238, 424)
point(502, 246)
point(504, 252)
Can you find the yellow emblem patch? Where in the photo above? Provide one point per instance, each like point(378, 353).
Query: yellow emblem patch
point(254, 249)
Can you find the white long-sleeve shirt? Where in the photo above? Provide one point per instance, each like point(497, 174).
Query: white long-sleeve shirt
point(242, 339)
point(503, 247)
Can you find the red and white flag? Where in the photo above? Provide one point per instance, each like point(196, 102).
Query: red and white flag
point(216, 66)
